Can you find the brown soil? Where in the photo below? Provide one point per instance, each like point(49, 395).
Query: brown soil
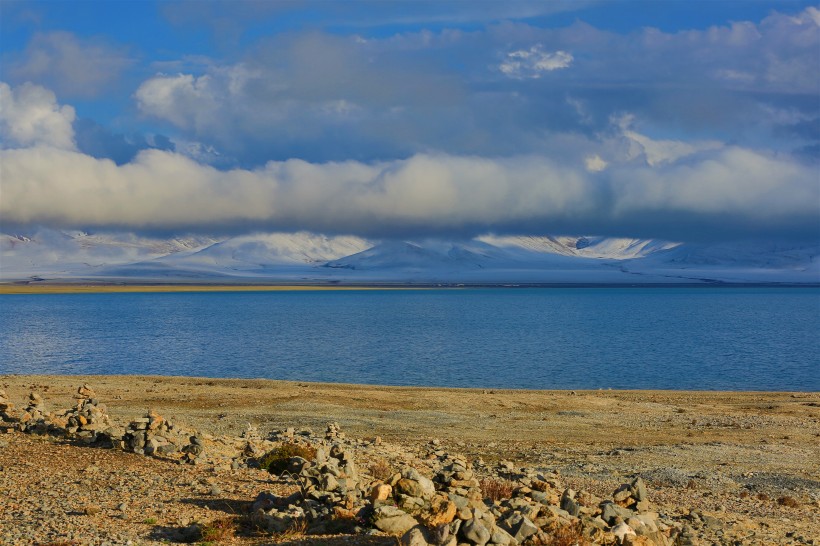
point(728, 454)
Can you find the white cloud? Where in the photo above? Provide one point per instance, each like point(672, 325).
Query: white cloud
point(30, 115)
point(658, 152)
point(44, 185)
point(71, 65)
point(533, 62)
point(594, 163)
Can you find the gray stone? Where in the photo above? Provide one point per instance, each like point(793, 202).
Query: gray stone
point(518, 526)
point(393, 521)
point(610, 511)
point(417, 536)
point(475, 532)
point(502, 538)
point(639, 489)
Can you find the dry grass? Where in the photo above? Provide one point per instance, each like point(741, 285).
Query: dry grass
point(380, 469)
point(295, 531)
point(276, 460)
point(789, 502)
point(495, 489)
point(567, 535)
point(219, 530)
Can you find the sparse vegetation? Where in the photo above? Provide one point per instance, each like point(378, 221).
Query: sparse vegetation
point(150, 521)
point(380, 469)
point(563, 535)
point(495, 489)
point(219, 530)
point(295, 531)
point(788, 501)
point(276, 460)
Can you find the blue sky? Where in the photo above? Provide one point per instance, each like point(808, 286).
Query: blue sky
point(684, 120)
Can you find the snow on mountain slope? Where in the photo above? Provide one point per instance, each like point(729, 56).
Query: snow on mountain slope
point(67, 253)
point(744, 261)
point(259, 251)
point(587, 247)
point(307, 257)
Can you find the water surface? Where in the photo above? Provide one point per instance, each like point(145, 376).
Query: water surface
point(563, 338)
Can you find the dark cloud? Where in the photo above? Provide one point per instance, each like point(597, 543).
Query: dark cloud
point(507, 88)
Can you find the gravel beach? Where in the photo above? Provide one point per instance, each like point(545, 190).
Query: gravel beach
point(739, 468)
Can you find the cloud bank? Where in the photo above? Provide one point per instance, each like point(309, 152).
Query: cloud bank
point(728, 192)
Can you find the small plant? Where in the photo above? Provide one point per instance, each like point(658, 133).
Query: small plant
point(219, 530)
point(150, 521)
point(562, 535)
point(788, 501)
point(495, 489)
point(296, 530)
point(380, 470)
point(762, 497)
point(276, 460)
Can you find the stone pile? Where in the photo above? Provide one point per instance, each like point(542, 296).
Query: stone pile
point(334, 432)
point(34, 418)
point(8, 417)
point(448, 509)
point(154, 435)
point(88, 421)
point(330, 490)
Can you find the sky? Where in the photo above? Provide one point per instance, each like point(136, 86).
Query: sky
point(688, 121)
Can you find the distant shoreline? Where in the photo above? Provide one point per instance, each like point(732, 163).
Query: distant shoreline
point(13, 288)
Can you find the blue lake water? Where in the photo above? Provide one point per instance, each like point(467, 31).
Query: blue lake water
point(562, 338)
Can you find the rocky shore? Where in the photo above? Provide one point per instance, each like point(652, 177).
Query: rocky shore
point(102, 461)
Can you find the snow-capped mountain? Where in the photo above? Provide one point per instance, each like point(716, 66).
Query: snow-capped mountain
point(308, 257)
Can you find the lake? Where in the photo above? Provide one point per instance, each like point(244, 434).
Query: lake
point(535, 338)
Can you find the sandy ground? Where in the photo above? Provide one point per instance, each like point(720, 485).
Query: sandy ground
point(731, 454)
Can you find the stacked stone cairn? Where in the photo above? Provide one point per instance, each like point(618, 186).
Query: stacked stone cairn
point(8, 417)
point(154, 435)
point(448, 509)
point(330, 490)
point(34, 417)
point(88, 421)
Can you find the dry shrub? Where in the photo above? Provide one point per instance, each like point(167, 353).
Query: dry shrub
point(380, 470)
point(762, 497)
point(219, 530)
point(276, 460)
point(566, 535)
point(744, 494)
point(496, 489)
point(788, 501)
point(295, 531)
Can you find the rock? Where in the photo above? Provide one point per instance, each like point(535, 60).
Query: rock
point(475, 532)
point(417, 536)
point(393, 521)
point(380, 492)
point(639, 489)
point(568, 502)
point(518, 526)
point(610, 511)
point(621, 530)
point(441, 511)
point(91, 510)
point(502, 538)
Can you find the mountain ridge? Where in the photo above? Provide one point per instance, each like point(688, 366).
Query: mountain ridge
point(310, 257)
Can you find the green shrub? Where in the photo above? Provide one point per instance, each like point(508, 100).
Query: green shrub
point(276, 460)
